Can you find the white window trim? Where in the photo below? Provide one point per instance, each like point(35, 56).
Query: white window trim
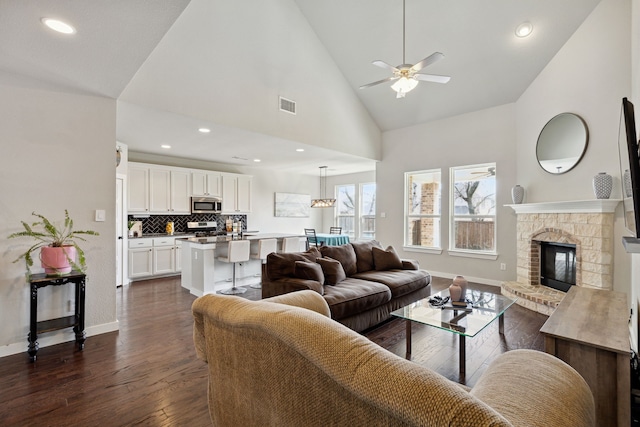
point(425, 249)
point(490, 255)
point(360, 215)
point(422, 249)
point(473, 254)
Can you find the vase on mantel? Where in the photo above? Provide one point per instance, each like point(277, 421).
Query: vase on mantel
point(517, 194)
point(628, 192)
point(602, 185)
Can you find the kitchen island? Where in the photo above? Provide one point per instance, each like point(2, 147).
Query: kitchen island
point(202, 273)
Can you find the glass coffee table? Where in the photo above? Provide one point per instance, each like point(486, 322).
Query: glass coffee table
point(482, 309)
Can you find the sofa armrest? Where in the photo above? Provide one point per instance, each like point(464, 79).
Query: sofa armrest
point(530, 387)
point(410, 264)
point(290, 284)
point(305, 299)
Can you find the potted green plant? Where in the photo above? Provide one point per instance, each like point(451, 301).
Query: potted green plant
point(58, 246)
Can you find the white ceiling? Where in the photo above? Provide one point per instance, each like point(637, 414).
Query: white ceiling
point(488, 65)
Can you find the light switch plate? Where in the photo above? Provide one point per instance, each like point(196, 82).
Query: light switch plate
point(100, 215)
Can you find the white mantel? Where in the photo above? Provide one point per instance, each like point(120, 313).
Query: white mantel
point(570, 206)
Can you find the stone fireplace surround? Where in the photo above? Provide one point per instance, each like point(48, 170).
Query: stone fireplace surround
point(587, 224)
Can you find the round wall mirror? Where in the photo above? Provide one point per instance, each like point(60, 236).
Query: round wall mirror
point(562, 143)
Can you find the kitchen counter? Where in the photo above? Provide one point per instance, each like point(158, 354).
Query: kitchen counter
point(203, 273)
point(228, 238)
point(151, 235)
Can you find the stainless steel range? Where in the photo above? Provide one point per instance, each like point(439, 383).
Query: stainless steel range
point(205, 228)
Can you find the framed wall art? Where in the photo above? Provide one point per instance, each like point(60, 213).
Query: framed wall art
point(292, 205)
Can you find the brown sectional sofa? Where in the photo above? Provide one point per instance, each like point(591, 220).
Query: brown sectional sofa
point(362, 288)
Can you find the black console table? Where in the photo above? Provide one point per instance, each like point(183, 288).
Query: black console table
point(76, 321)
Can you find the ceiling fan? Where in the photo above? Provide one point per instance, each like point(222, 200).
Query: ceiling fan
point(406, 75)
point(491, 171)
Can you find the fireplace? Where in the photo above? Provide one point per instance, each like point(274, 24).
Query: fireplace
point(557, 265)
point(575, 238)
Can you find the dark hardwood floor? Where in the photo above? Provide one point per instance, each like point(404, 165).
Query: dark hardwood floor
point(147, 372)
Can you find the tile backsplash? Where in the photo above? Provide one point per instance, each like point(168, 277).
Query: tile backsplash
point(157, 223)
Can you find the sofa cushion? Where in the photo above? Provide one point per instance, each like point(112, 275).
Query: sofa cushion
point(364, 255)
point(332, 270)
point(283, 265)
point(386, 259)
point(400, 282)
point(309, 270)
point(355, 296)
point(343, 253)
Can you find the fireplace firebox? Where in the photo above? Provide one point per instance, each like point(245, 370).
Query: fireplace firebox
point(558, 265)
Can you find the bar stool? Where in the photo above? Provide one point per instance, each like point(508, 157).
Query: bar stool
point(290, 244)
point(238, 252)
point(265, 247)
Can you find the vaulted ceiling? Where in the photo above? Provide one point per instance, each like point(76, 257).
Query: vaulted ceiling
point(233, 53)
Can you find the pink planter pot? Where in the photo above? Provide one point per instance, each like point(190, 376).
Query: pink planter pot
point(55, 261)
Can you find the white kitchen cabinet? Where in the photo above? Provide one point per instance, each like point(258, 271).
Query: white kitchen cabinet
point(140, 258)
point(159, 190)
point(154, 256)
point(236, 194)
point(164, 260)
point(138, 179)
point(205, 183)
point(180, 192)
point(178, 256)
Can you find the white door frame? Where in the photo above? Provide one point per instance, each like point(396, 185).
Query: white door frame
point(122, 268)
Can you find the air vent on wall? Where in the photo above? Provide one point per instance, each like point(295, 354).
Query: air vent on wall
point(287, 105)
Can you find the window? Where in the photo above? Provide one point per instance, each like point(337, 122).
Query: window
point(473, 209)
point(346, 208)
point(368, 211)
point(422, 211)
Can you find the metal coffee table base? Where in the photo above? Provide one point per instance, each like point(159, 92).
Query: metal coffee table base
point(461, 345)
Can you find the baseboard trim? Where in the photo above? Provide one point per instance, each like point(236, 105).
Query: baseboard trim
point(58, 337)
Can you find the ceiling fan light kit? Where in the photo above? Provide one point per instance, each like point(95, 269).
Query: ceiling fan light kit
point(406, 76)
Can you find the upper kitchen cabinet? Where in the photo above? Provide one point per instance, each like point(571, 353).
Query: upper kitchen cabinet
point(159, 190)
point(138, 178)
point(204, 183)
point(236, 194)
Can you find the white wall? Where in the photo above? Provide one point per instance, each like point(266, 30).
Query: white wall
point(479, 137)
point(589, 76)
point(58, 152)
point(264, 184)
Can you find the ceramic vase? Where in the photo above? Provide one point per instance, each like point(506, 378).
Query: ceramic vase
point(462, 283)
point(517, 194)
point(627, 183)
point(602, 185)
point(455, 292)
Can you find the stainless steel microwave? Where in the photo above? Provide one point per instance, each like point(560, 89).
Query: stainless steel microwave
point(206, 205)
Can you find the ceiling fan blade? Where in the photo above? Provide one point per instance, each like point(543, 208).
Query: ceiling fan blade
point(432, 78)
point(434, 57)
point(384, 65)
point(388, 79)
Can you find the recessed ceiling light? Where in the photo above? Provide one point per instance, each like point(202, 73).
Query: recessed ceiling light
point(524, 29)
point(165, 146)
point(59, 26)
point(204, 130)
point(257, 160)
point(299, 150)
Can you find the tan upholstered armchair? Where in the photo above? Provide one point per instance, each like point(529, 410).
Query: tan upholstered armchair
point(272, 364)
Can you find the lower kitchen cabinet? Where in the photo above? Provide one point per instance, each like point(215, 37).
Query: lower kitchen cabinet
point(154, 256)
